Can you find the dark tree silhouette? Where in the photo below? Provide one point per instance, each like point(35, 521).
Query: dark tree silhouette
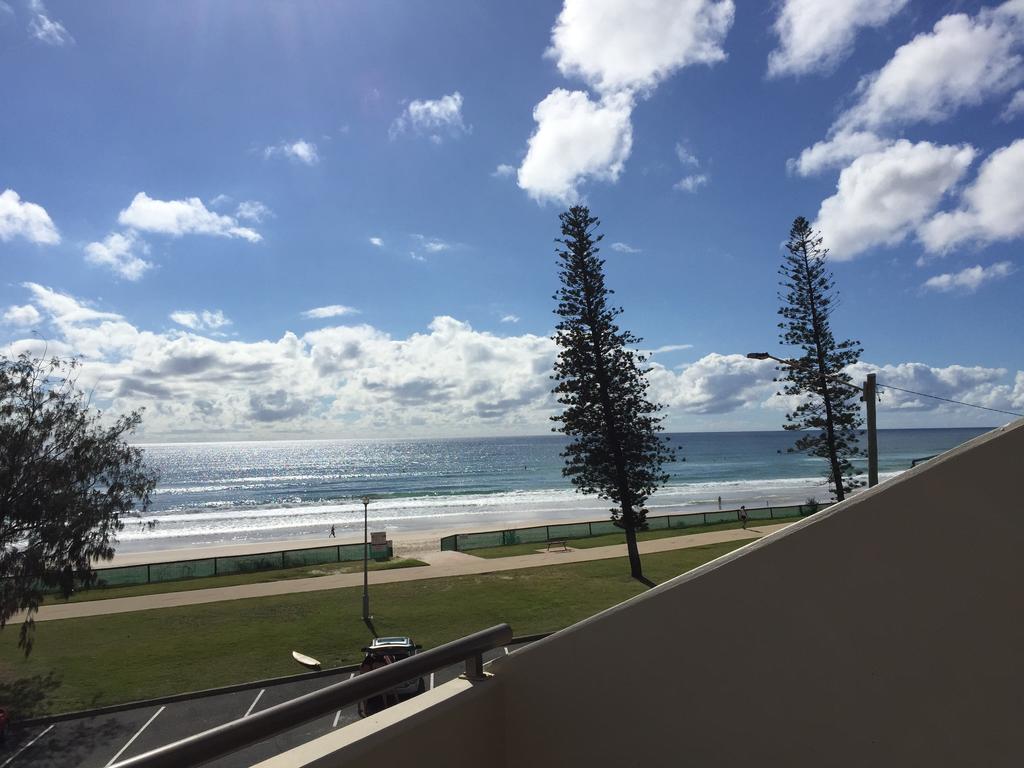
point(829, 410)
point(615, 451)
point(66, 481)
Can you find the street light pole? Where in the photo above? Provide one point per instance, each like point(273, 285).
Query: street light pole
point(366, 549)
point(868, 392)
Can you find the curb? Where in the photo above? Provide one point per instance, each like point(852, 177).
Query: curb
point(175, 697)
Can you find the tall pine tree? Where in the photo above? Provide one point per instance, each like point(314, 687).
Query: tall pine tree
point(829, 410)
point(616, 450)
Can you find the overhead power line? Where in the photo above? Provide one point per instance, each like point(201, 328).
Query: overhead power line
point(948, 400)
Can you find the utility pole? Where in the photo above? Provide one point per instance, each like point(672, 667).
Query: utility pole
point(869, 405)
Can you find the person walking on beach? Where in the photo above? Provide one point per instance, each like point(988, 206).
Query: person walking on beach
point(743, 517)
point(332, 536)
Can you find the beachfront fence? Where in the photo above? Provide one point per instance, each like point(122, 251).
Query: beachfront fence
point(153, 573)
point(539, 534)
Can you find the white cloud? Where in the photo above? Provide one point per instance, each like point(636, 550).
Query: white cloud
point(503, 171)
point(20, 218)
point(66, 308)
point(576, 139)
point(332, 310)
point(815, 35)
point(719, 384)
point(1015, 107)
point(970, 384)
point(22, 316)
point(214, 319)
point(836, 152)
point(377, 242)
point(205, 320)
point(668, 348)
point(432, 244)
point(301, 151)
point(991, 208)
point(82, 330)
point(181, 217)
point(186, 318)
point(691, 183)
point(510, 319)
point(714, 384)
point(253, 210)
point(432, 117)
point(623, 49)
point(119, 253)
point(221, 200)
point(962, 62)
point(344, 379)
point(685, 156)
point(632, 45)
point(44, 29)
point(356, 380)
point(882, 196)
point(624, 248)
point(970, 279)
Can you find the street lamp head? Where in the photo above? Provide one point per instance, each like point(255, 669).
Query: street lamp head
point(758, 355)
point(365, 500)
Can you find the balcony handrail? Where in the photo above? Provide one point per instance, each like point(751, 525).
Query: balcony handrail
point(259, 726)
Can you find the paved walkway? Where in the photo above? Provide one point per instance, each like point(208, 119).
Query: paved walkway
point(442, 564)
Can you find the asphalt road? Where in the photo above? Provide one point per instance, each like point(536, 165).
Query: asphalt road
point(96, 742)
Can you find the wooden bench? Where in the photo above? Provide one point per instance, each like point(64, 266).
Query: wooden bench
point(558, 542)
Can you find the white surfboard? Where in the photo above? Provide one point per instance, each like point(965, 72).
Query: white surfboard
point(306, 661)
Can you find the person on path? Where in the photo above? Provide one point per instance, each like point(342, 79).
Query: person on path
point(332, 536)
point(743, 517)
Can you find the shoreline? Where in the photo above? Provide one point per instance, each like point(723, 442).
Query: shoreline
point(409, 543)
point(422, 532)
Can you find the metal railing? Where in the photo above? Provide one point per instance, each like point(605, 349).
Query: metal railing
point(224, 565)
point(259, 726)
point(539, 534)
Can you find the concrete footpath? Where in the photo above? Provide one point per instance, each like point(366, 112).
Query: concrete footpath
point(442, 565)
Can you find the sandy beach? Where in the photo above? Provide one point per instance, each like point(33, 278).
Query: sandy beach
point(407, 544)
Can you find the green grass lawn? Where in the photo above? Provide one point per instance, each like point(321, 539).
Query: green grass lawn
point(234, 579)
point(94, 661)
point(618, 538)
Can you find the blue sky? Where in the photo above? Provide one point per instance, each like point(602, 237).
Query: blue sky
point(287, 219)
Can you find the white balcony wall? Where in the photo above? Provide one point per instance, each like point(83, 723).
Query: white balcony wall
point(887, 630)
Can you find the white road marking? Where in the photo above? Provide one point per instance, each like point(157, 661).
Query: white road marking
point(253, 705)
point(133, 738)
point(37, 738)
point(431, 681)
point(506, 650)
point(337, 715)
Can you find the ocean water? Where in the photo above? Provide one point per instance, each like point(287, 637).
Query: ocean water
point(243, 492)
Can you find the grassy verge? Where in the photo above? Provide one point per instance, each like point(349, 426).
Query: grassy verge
point(87, 662)
point(619, 538)
point(234, 579)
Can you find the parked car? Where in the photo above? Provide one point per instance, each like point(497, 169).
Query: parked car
point(381, 652)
